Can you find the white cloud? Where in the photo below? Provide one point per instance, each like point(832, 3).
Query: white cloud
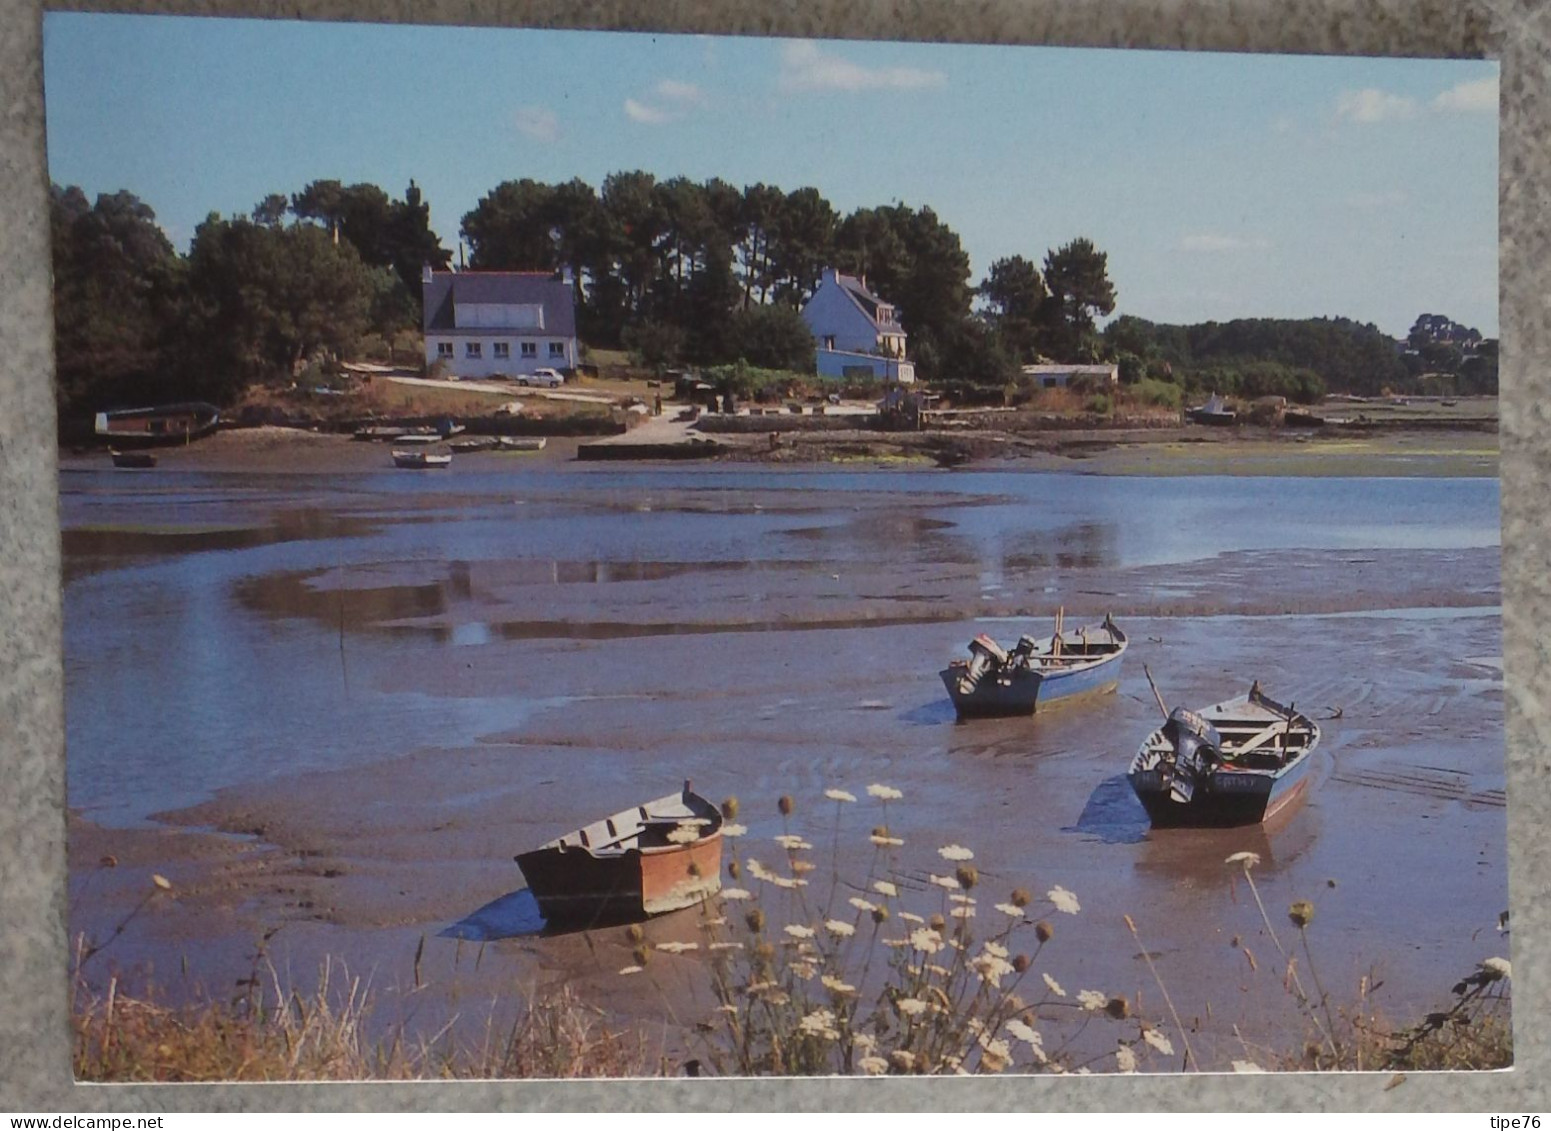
point(646, 115)
point(804, 67)
point(675, 91)
point(671, 99)
point(1212, 242)
point(536, 122)
point(1477, 97)
point(1370, 105)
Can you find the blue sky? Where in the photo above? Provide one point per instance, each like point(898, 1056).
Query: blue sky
point(1221, 186)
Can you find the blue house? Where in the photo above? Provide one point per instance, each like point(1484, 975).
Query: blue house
point(856, 333)
point(499, 323)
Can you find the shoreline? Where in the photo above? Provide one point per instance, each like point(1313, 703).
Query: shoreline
point(270, 449)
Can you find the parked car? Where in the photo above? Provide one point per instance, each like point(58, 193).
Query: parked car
point(543, 378)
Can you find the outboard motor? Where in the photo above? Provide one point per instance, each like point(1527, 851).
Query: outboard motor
point(985, 655)
point(1196, 752)
point(1025, 649)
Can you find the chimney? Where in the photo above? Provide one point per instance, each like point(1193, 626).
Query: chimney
point(425, 274)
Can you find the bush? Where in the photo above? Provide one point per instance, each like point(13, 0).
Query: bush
point(1151, 391)
point(654, 344)
point(770, 337)
point(1103, 404)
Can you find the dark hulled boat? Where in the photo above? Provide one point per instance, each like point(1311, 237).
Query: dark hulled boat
point(1034, 673)
point(1234, 763)
point(660, 856)
point(163, 424)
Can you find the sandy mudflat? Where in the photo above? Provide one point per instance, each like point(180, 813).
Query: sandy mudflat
point(1402, 845)
point(1177, 451)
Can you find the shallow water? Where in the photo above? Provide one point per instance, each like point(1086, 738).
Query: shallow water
point(493, 664)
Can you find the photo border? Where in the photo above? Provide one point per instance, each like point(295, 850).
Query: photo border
point(34, 1033)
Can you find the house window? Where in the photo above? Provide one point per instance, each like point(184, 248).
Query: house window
point(530, 349)
point(472, 349)
point(829, 341)
point(557, 349)
point(443, 349)
point(503, 350)
point(1048, 382)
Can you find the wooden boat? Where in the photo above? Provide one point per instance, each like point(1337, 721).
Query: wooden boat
point(521, 443)
point(163, 424)
point(661, 856)
point(132, 459)
point(420, 460)
point(1035, 673)
point(1214, 411)
point(1235, 763)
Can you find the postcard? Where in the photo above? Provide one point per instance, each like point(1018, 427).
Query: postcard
point(614, 555)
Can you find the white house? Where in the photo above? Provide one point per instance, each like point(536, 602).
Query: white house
point(856, 333)
point(498, 323)
point(1060, 376)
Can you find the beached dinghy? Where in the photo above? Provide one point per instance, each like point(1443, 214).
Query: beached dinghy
point(1234, 763)
point(1035, 673)
point(661, 856)
point(420, 460)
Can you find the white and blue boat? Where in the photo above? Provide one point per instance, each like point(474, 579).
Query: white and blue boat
point(1239, 762)
point(1035, 673)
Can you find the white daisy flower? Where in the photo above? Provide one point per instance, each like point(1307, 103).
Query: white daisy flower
point(884, 792)
point(926, 940)
point(1063, 900)
point(1125, 1058)
point(885, 887)
point(1157, 1040)
point(873, 1065)
point(1055, 986)
point(839, 929)
point(1024, 1032)
point(1092, 1000)
point(955, 852)
point(798, 931)
point(839, 795)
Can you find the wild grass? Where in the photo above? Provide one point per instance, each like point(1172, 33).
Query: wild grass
point(902, 970)
point(890, 973)
point(1473, 1031)
point(270, 1031)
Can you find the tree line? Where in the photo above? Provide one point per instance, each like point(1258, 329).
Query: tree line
point(680, 271)
point(673, 270)
point(1301, 359)
point(255, 298)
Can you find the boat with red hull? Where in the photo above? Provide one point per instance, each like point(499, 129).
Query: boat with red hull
point(660, 856)
point(1239, 762)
